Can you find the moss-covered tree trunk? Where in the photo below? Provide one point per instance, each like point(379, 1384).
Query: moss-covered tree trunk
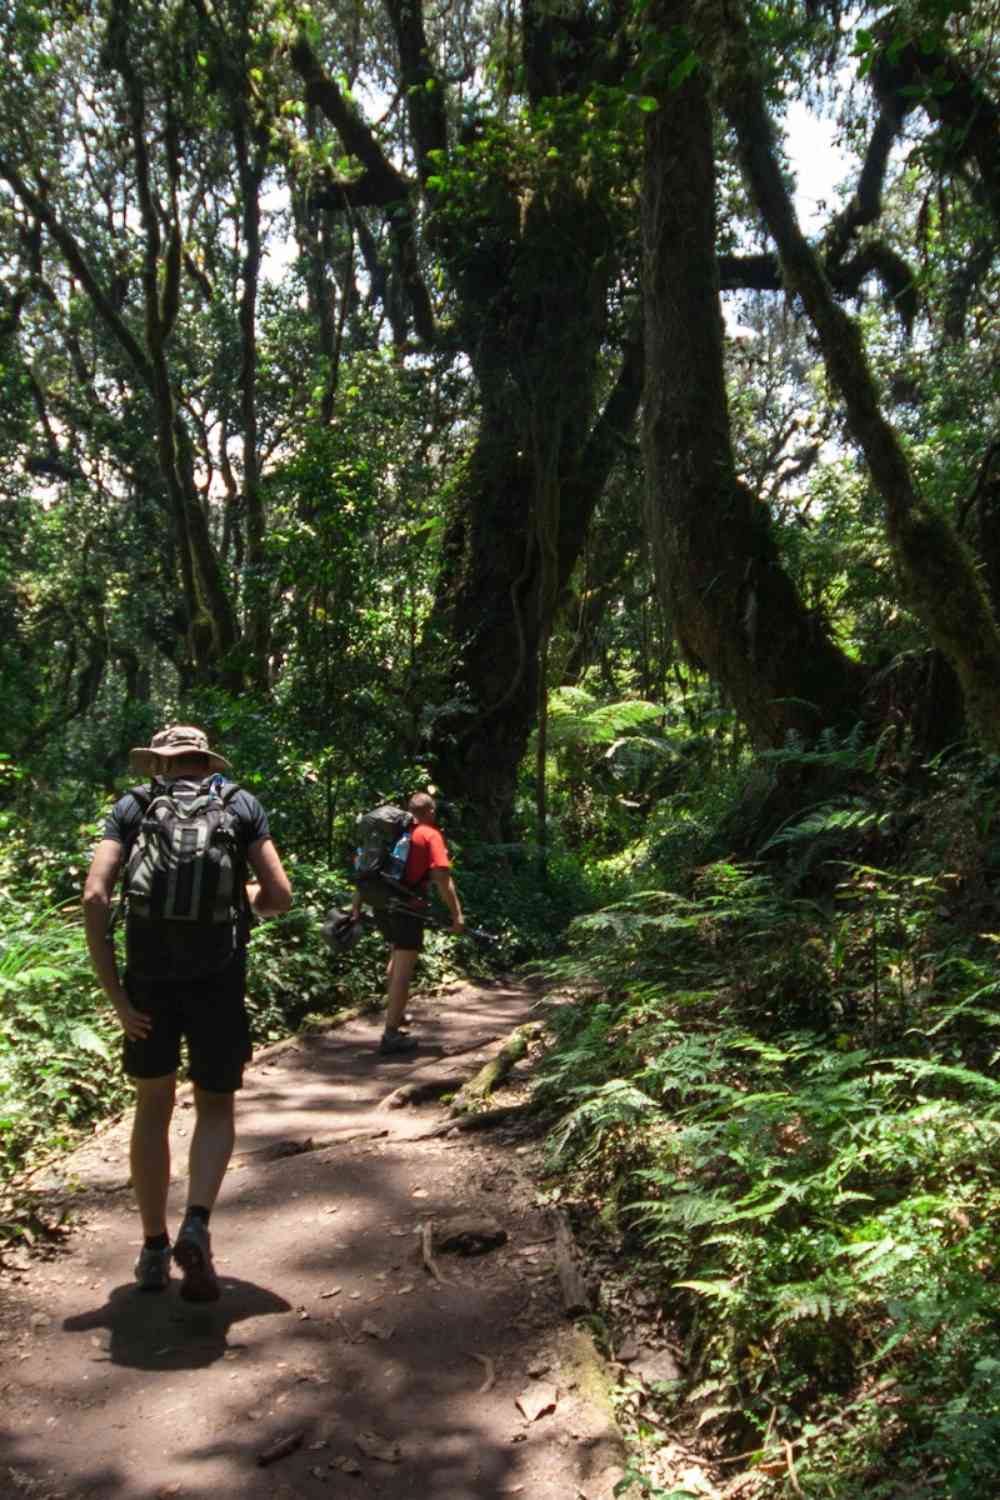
point(535, 319)
point(733, 607)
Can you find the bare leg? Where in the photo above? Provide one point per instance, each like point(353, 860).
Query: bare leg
point(211, 1145)
point(149, 1150)
point(401, 967)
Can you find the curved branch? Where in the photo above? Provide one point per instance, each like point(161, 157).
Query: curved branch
point(382, 185)
point(79, 265)
point(382, 180)
point(941, 581)
point(920, 74)
point(866, 204)
point(898, 281)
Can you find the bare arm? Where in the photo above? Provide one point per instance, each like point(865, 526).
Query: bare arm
point(97, 892)
point(445, 887)
point(271, 893)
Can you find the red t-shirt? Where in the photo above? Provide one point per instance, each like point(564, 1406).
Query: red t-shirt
point(428, 851)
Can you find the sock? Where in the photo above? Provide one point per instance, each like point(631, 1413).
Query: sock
point(195, 1211)
point(156, 1241)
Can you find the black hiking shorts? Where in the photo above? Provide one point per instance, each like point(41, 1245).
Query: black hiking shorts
point(393, 920)
point(209, 1013)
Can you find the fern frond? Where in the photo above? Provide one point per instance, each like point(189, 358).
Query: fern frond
point(616, 1103)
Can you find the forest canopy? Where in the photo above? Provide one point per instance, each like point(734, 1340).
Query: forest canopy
point(392, 365)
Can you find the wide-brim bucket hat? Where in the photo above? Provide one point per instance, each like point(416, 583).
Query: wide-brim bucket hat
point(175, 742)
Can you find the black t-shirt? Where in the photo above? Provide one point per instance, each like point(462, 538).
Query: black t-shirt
point(125, 818)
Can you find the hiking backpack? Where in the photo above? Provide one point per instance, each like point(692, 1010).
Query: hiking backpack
point(383, 845)
point(184, 884)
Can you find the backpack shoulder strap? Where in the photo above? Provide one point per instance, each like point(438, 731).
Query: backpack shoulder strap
point(142, 794)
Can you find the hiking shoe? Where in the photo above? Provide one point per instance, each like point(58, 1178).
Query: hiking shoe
point(152, 1269)
point(395, 1044)
point(193, 1253)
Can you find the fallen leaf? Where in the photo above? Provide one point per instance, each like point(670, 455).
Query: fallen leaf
point(537, 1401)
point(346, 1464)
point(372, 1445)
point(419, 1193)
point(402, 1291)
point(376, 1330)
point(334, 1291)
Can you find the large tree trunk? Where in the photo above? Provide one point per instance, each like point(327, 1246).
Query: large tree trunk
point(733, 607)
point(529, 491)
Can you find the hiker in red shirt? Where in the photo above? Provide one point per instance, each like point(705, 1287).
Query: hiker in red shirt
point(427, 863)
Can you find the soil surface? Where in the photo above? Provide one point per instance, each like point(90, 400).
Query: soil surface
point(332, 1336)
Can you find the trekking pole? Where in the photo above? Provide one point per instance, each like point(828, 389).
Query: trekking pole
point(477, 934)
point(401, 908)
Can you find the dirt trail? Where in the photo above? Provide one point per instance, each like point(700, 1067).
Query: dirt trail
point(329, 1325)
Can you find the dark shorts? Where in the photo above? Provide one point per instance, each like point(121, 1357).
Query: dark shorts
point(210, 1013)
point(398, 927)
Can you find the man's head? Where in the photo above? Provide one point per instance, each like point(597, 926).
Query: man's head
point(179, 750)
point(422, 807)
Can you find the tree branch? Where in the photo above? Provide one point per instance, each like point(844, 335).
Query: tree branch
point(382, 185)
point(941, 582)
point(425, 102)
point(78, 264)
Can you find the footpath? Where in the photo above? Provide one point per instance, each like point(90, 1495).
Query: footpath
point(352, 1354)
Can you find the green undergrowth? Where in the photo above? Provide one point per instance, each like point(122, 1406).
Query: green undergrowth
point(783, 1111)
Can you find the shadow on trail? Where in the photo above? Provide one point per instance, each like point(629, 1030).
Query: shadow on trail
point(157, 1331)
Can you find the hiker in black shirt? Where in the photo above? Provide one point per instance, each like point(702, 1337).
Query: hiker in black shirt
point(202, 1001)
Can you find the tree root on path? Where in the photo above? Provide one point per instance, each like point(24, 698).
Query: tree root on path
point(279, 1150)
point(493, 1073)
point(486, 1119)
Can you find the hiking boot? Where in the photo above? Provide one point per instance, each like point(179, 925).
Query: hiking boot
point(193, 1253)
point(152, 1269)
point(395, 1044)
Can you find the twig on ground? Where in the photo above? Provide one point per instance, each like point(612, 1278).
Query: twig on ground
point(426, 1254)
point(281, 1449)
point(793, 1478)
point(490, 1369)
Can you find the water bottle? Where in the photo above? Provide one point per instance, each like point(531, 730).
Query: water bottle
point(399, 855)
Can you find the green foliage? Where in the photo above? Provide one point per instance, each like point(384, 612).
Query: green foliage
point(59, 1044)
point(818, 1204)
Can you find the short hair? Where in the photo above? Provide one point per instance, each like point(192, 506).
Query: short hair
point(422, 804)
